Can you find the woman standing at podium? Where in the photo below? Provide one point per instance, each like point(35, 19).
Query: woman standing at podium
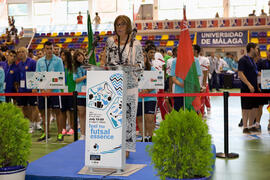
point(124, 52)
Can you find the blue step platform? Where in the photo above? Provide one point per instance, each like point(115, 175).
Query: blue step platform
point(65, 163)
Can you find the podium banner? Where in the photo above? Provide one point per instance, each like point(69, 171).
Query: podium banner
point(105, 120)
point(45, 80)
point(265, 79)
point(152, 80)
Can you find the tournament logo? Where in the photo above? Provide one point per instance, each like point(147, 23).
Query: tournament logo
point(115, 113)
point(100, 96)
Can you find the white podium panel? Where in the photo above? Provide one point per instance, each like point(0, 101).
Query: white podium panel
point(105, 120)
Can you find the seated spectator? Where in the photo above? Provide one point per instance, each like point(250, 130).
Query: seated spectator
point(263, 13)
point(21, 34)
point(7, 32)
point(13, 30)
point(4, 47)
point(253, 13)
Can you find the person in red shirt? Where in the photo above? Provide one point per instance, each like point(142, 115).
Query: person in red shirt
point(80, 18)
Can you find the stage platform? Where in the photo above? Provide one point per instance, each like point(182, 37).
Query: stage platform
point(66, 162)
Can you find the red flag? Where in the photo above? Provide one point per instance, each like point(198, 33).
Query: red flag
point(185, 56)
point(186, 68)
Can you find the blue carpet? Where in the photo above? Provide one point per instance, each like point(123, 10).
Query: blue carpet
point(66, 162)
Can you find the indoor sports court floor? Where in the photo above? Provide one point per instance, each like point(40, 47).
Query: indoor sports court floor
point(253, 150)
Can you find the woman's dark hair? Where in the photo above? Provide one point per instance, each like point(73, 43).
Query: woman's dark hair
point(174, 51)
point(150, 47)
point(68, 59)
point(147, 63)
point(75, 59)
point(197, 48)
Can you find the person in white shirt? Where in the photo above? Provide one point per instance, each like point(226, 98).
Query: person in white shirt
point(97, 21)
point(204, 64)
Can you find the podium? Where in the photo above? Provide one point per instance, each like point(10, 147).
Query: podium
point(111, 101)
point(111, 109)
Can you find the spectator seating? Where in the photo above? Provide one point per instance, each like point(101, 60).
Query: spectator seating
point(102, 33)
point(139, 37)
point(54, 34)
point(254, 34)
point(68, 40)
point(170, 43)
point(263, 54)
point(78, 34)
point(254, 40)
point(62, 40)
point(144, 38)
point(165, 37)
point(43, 40)
point(158, 37)
point(262, 47)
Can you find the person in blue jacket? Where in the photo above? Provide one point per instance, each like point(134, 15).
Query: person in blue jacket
point(11, 74)
point(2, 81)
point(50, 63)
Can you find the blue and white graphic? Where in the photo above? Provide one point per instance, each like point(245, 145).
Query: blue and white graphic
point(115, 113)
point(96, 147)
point(112, 150)
point(45, 80)
point(117, 82)
point(100, 96)
point(105, 120)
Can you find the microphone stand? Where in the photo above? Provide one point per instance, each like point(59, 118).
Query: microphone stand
point(131, 46)
point(86, 64)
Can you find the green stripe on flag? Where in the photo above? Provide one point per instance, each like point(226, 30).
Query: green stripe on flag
point(191, 85)
point(90, 40)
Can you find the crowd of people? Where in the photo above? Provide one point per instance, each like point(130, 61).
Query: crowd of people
point(13, 68)
point(11, 36)
point(15, 64)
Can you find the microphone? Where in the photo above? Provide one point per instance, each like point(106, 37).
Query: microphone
point(133, 35)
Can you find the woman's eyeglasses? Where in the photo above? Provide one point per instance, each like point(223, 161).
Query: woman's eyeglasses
point(120, 24)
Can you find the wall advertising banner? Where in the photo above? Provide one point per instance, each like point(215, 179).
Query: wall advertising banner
point(45, 80)
point(105, 120)
point(222, 38)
